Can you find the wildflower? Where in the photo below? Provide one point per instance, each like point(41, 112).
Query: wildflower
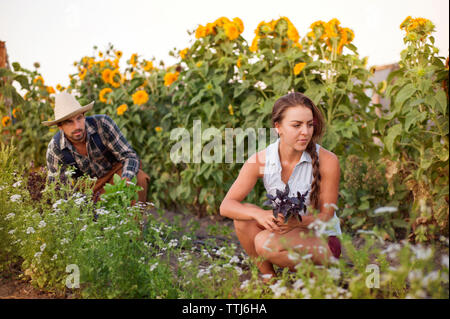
point(140, 97)
point(112, 78)
point(82, 74)
point(183, 53)
point(293, 256)
point(50, 90)
point(298, 284)
point(170, 77)
point(38, 80)
point(422, 252)
point(106, 75)
point(43, 246)
point(54, 257)
point(240, 25)
point(84, 228)
point(6, 120)
point(42, 224)
point(299, 67)
point(234, 259)
point(239, 63)
point(158, 129)
point(277, 289)
point(10, 215)
point(307, 256)
point(64, 241)
point(122, 109)
point(102, 94)
point(231, 31)
point(38, 254)
point(30, 230)
point(15, 198)
point(335, 273)
point(118, 54)
point(148, 66)
point(173, 243)
point(200, 32)
point(133, 59)
point(245, 284)
point(238, 270)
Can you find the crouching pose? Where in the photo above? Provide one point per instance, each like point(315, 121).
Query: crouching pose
point(92, 145)
point(294, 159)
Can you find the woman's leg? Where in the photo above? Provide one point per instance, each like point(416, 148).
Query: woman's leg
point(274, 247)
point(246, 231)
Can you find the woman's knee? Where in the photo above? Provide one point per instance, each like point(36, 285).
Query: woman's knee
point(263, 245)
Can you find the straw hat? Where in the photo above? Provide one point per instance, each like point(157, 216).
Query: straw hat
point(67, 106)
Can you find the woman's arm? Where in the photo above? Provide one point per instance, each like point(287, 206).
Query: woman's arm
point(232, 207)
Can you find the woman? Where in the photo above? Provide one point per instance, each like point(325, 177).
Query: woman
point(297, 160)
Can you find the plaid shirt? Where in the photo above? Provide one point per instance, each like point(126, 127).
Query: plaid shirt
point(95, 164)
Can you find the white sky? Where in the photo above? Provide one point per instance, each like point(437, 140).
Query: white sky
point(56, 33)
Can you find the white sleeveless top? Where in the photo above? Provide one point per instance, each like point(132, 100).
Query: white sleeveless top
point(299, 181)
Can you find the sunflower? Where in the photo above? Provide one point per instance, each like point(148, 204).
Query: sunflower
point(200, 32)
point(238, 22)
point(6, 120)
point(118, 54)
point(299, 67)
point(158, 129)
point(82, 74)
point(239, 63)
point(140, 97)
point(183, 53)
point(254, 46)
point(133, 59)
point(102, 94)
point(210, 29)
point(112, 79)
point(292, 34)
point(148, 66)
point(14, 112)
point(231, 30)
point(170, 77)
point(106, 75)
point(121, 109)
point(38, 80)
point(50, 90)
point(100, 54)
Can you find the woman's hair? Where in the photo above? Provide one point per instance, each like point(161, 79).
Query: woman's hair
point(299, 99)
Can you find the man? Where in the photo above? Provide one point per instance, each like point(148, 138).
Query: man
point(93, 145)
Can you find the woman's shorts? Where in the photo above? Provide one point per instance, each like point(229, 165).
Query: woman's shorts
point(335, 246)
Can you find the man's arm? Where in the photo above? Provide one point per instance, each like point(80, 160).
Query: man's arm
point(120, 147)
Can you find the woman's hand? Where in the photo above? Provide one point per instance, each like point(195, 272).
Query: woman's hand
point(283, 227)
point(265, 219)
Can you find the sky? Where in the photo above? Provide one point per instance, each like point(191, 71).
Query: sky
point(56, 33)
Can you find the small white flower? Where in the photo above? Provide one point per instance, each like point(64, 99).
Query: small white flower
point(266, 276)
point(153, 266)
point(307, 256)
point(38, 254)
point(298, 284)
point(428, 279)
point(64, 241)
point(10, 215)
point(43, 246)
point(17, 184)
point(173, 243)
point(293, 256)
point(234, 259)
point(422, 252)
point(42, 224)
point(245, 284)
point(30, 230)
point(12, 231)
point(84, 228)
point(238, 270)
point(335, 273)
point(55, 256)
point(15, 198)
